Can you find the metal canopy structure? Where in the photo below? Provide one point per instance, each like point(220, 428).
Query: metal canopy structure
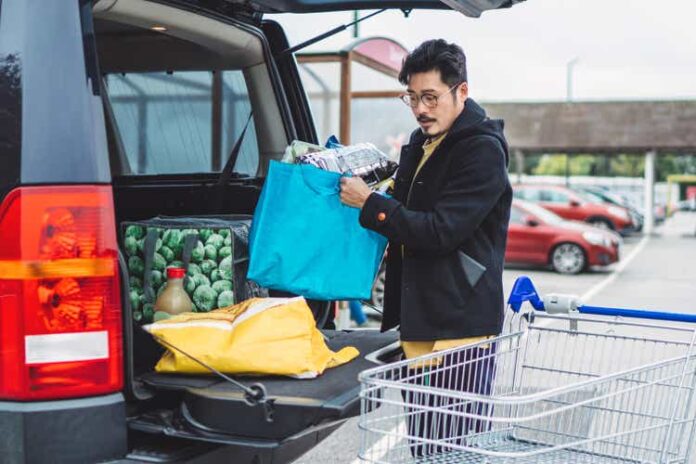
point(649, 127)
point(611, 127)
point(381, 54)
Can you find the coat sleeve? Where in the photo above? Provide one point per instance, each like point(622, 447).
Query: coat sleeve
point(476, 182)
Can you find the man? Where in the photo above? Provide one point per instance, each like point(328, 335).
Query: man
point(446, 222)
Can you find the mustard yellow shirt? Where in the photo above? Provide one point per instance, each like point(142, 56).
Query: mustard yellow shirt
point(420, 348)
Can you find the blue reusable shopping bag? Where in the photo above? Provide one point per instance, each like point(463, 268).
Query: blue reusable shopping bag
point(303, 240)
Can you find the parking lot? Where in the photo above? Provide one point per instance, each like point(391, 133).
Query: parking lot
point(655, 272)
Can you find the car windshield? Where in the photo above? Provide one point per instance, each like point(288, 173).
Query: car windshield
point(543, 214)
point(590, 197)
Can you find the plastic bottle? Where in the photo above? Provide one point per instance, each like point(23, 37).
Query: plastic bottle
point(174, 299)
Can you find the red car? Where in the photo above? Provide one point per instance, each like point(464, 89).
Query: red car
point(571, 204)
point(538, 236)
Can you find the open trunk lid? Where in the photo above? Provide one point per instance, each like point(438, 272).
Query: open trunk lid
point(472, 8)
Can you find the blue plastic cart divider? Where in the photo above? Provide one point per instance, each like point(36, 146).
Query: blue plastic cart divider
point(524, 290)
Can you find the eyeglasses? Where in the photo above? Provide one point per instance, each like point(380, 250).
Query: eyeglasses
point(428, 99)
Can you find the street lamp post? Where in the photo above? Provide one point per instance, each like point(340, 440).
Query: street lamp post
point(569, 78)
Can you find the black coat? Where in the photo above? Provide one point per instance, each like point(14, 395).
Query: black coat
point(459, 208)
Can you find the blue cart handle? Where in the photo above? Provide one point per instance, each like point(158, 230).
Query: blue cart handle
point(523, 290)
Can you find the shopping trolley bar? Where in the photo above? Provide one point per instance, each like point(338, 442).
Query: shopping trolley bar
point(524, 291)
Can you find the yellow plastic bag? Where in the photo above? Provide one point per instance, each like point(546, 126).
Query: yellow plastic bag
point(258, 336)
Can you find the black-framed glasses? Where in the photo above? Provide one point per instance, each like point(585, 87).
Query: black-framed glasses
point(428, 99)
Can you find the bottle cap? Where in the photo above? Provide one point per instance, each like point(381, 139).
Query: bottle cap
point(175, 272)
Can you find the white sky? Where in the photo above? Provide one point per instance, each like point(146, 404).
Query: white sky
point(627, 49)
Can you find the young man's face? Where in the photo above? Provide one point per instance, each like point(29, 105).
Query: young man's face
point(435, 120)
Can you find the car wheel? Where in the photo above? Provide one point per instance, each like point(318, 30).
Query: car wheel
point(568, 258)
point(377, 298)
point(602, 223)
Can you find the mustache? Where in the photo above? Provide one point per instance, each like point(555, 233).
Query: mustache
point(424, 119)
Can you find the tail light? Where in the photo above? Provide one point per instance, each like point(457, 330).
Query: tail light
point(60, 308)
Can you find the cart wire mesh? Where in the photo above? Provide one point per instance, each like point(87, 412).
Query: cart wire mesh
point(551, 389)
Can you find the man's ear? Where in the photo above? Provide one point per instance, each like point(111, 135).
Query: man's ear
point(463, 91)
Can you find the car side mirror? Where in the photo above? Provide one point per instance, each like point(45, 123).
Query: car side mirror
point(531, 221)
point(574, 203)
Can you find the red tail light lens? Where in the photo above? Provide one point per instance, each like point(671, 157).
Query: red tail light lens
point(60, 308)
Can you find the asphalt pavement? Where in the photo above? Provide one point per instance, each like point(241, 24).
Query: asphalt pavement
point(656, 272)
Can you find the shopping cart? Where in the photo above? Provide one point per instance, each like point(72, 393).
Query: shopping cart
point(573, 384)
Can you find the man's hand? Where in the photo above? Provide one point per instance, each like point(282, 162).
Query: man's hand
point(354, 191)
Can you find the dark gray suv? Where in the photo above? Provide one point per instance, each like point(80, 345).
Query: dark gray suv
point(120, 110)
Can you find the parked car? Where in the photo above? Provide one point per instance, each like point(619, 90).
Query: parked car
point(606, 196)
point(539, 236)
point(573, 205)
point(121, 110)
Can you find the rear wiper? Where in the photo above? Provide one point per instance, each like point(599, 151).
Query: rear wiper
point(323, 36)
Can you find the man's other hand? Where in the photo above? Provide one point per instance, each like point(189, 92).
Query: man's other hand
point(354, 191)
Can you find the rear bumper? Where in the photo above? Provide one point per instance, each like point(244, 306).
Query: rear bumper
point(80, 431)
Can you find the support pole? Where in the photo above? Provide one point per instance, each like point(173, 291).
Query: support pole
point(519, 165)
point(345, 99)
point(649, 187)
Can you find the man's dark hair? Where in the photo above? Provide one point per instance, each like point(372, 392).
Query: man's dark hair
point(436, 54)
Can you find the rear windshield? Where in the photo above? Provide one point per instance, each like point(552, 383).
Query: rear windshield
point(183, 122)
point(10, 103)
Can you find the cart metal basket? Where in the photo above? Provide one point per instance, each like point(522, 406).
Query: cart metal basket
point(594, 385)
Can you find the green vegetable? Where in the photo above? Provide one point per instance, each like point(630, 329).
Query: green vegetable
point(135, 282)
point(225, 299)
point(193, 269)
point(205, 298)
point(176, 263)
point(227, 241)
point(148, 311)
point(134, 297)
point(141, 245)
point(136, 266)
point(215, 240)
point(211, 252)
point(137, 316)
point(225, 268)
point(158, 244)
point(167, 254)
point(215, 275)
point(135, 231)
point(198, 253)
point(208, 266)
point(190, 284)
point(224, 232)
point(204, 234)
point(173, 239)
point(160, 316)
point(222, 286)
point(156, 278)
point(224, 252)
point(158, 262)
point(201, 279)
point(131, 246)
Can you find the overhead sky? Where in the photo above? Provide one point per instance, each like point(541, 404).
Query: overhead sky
point(625, 50)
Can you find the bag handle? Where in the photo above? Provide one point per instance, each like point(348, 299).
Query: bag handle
point(190, 241)
point(320, 190)
point(149, 252)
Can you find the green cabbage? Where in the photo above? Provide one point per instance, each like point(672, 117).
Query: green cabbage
point(225, 299)
point(205, 298)
point(222, 286)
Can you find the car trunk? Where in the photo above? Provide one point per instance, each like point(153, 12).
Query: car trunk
point(209, 408)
